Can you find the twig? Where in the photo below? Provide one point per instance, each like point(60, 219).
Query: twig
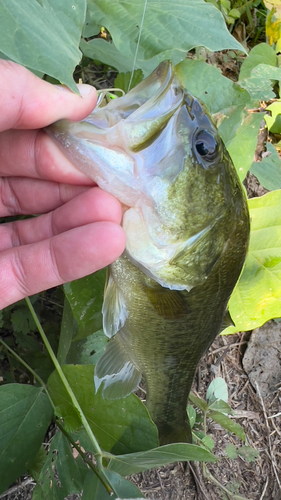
point(268, 437)
point(264, 490)
point(209, 476)
point(199, 484)
point(12, 490)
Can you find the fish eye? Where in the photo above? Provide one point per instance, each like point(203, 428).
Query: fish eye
point(206, 145)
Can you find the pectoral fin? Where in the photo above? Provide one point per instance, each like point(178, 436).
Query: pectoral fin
point(116, 371)
point(114, 308)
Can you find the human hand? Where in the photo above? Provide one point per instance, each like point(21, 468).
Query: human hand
point(78, 231)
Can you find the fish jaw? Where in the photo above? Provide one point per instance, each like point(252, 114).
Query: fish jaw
point(104, 146)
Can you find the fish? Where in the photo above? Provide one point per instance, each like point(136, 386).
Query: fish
point(186, 222)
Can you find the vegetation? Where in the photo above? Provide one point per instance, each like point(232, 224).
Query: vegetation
point(116, 438)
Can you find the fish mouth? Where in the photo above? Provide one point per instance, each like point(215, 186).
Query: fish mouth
point(105, 145)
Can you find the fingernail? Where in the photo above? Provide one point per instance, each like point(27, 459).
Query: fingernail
point(63, 88)
point(85, 89)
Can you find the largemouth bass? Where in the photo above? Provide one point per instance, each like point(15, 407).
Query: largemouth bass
point(187, 226)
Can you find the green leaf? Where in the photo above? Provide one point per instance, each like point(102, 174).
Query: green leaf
point(200, 403)
point(22, 320)
point(94, 490)
point(256, 297)
point(260, 54)
point(221, 406)
point(62, 474)
point(68, 331)
point(123, 79)
point(249, 453)
point(25, 414)
point(208, 442)
point(231, 451)
point(246, 452)
point(37, 463)
point(107, 53)
point(168, 27)
point(208, 84)
point(122, 425)
point(191, 413)
point(43, 35)
point(227, 424)
point(217, 390)
point(261, 81)
point(88, 350)
point(85, 297)
point(268, 171)
point(242, 142)
point(170, 453)
point(273, 121)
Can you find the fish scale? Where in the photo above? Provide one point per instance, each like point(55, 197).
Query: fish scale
point(187, 227)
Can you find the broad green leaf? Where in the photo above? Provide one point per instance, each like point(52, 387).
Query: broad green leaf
point(256, 297)
point(217, 390)
point(227, 424)
point(25, 414)
point(107, 53)
point(260, 54)
point(208, 84)
point(231, 451)
point(120, 426)
point(37, 463)
point(122, 80)
point(200, 403)
point(69, 330)
point(246, 452)
point(241, 146)
point(221, 406)
point(191, 413)
point(94, 490)
point(268, 171)
point(62, 474)
point(88, 350)
point(43, 35)
point(273, 121)
point(167, 26)
point(208, 442)
point(138, 462)
point(261, 81)
point(85, 297)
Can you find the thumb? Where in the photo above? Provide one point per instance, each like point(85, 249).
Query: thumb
point(27, 102)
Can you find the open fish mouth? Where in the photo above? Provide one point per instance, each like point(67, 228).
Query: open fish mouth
point(143, 148)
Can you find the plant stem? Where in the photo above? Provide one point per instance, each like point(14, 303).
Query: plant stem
point(84, 457)
point(98, 452)
point(209, 476)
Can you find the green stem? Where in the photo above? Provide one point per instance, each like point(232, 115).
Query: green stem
point(209, 476)
point(98, 451)
point(84, 457)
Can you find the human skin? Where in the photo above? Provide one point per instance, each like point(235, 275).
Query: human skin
point(77, 229)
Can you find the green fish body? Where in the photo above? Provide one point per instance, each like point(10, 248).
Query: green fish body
point(187, 227)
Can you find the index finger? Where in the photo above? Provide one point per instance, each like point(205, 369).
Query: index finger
point(27, 102)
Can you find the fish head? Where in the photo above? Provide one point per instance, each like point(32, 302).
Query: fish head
point(157, 150)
